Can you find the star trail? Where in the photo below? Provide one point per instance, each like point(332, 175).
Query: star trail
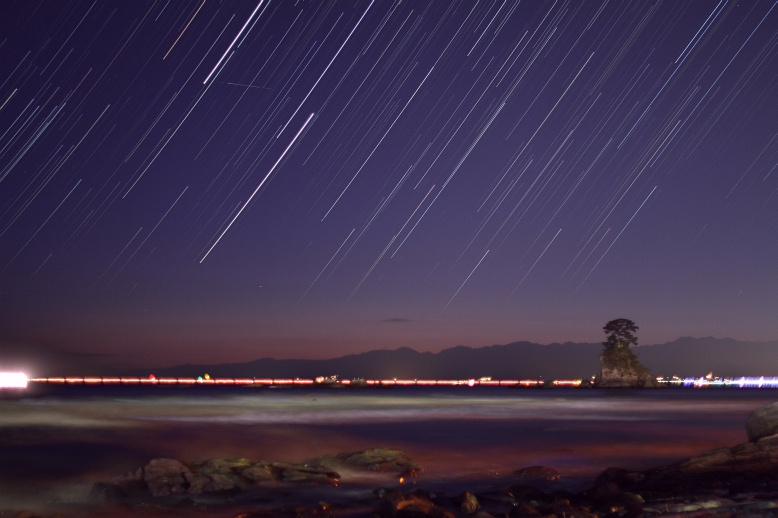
point(230, 180)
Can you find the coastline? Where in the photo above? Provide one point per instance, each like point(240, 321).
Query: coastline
point(693, 488)
point(467, 441)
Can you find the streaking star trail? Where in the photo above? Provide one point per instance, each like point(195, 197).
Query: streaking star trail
point(384, 174)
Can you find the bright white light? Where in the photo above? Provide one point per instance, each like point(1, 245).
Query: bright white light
point(13, 380)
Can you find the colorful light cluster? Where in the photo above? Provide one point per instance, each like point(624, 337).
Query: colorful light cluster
point(742, 382)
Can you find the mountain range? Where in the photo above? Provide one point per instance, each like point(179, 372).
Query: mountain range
point(685, 356)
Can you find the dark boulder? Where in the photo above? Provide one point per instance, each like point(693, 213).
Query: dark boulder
point(468, 503)
point(213, 483)
point(395, 504)
point(224, 465)
point(259, 472)
point(286, 472)
point(762, 422)
point(103, 493)
point(165, 477)
point(374, 459)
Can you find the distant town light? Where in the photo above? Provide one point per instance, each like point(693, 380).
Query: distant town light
point(13, 380)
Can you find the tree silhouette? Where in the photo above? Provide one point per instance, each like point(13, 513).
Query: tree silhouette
point(620, 334)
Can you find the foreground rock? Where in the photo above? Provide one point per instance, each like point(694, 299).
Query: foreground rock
point(222, 476)
point(374, 459)
point(468, 503)
point(395, 504)
point(228, 476)
point(737, 481)
point(762, 422)
point(759, 457)
point(755, 459)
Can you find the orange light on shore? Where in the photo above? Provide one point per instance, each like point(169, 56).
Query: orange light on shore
point(225, 381)
point(426, 382)
point(567, 383)
point(186, 381)
point(489, 383)
point(388, 382)
point(509, 383)
point(282, 381)
point(244, 381)
point(303, 382)
point(111, 381)
point(405, 382)
point(263, 381)
point(346, 382)
point(130, 381)
point(168, 381)
point(93, 381)
point(448, 382)
point(529, 383)
point(149, 381)
point(73, 380)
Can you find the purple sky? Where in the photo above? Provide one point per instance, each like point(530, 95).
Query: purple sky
point(474, 173)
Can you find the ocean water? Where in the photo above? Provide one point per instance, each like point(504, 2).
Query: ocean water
point(56, 443)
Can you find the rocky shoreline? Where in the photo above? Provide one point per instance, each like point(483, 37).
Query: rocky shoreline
point(741, 481)
point(734, 482)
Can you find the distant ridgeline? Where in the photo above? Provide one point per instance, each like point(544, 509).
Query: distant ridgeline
point(684, 357)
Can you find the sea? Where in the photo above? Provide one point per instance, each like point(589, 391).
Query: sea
point(56, 442)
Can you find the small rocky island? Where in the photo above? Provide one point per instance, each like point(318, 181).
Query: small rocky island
point(620, 365)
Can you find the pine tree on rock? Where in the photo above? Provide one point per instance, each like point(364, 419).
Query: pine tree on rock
point(620, 334)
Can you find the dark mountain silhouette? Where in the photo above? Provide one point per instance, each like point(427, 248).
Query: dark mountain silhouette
point(686, 356)
point(520, 359)
point(725, 357)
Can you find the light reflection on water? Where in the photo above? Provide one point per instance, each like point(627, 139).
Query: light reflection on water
point(78, 436)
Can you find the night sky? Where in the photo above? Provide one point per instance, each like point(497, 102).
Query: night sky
point(223, 181)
